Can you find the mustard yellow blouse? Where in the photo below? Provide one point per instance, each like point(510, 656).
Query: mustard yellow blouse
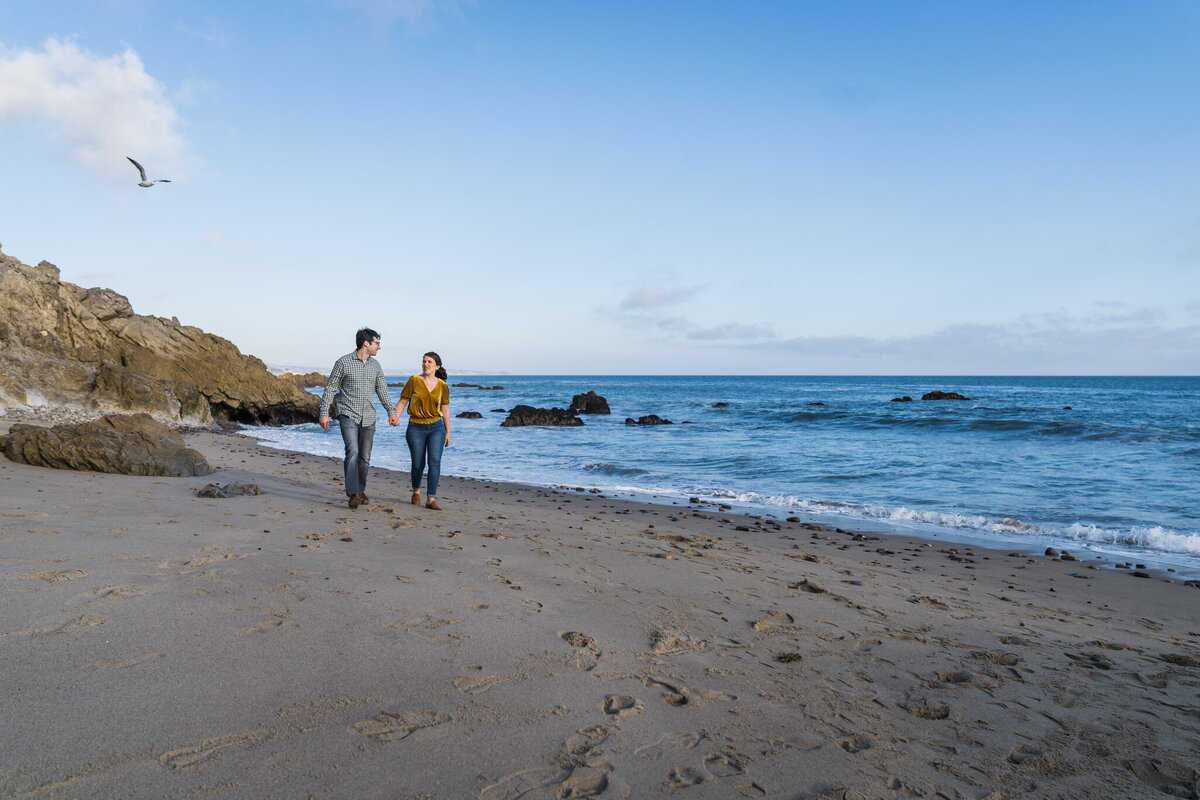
point(425, 406)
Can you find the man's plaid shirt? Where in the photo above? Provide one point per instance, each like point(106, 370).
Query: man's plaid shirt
point(353, 382)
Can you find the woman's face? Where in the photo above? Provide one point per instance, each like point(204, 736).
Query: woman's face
point(428, 366)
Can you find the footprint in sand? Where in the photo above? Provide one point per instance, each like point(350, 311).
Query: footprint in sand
point(776, 622)
point(279, 622)
point(57, 575)
point(723, 765)
point(681, 777)
point(1167, 776)
point(389, 727)
point(619, 704)
point(670, 642)
point(857, 743)
point(586, 739)
point(1001, 659)
point(926, 709)
point(584, 782)
point(117, 592)
point(519, 784)
point(674, 695)
point(480, 685)
point(587, 654)
point(196, 753)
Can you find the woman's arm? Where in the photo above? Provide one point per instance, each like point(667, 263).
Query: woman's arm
point(446, 418)
point(405, 394)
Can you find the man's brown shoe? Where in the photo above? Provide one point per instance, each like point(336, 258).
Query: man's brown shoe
point(353, 500)
point(362, 499)
point(433, 504)
point(416, 498)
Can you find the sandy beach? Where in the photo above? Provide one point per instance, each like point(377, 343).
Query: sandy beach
point(529, 643)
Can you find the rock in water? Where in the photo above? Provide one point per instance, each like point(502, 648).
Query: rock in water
point(590, 403)
point(649, 419)
point(470, 415)
point(126, 444)
point(528, 415)
point(940, 395)
point(61, 344)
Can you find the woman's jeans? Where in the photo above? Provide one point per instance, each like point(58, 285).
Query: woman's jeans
point(358, 440)
point(426, 441)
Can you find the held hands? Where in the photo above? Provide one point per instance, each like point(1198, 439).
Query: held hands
point(393, 420)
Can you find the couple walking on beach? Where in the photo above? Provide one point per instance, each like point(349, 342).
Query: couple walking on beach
point(357, 376)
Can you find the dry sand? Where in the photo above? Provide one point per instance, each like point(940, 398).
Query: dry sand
point(526, 643)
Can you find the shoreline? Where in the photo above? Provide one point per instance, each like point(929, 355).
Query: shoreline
point(527, 643)
point(1171, 565)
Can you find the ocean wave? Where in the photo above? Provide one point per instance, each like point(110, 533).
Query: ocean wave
point(1152, 538)
point(1156, 539)
point(612, 469)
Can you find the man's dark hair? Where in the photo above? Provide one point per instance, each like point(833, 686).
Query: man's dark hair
point(364, 336)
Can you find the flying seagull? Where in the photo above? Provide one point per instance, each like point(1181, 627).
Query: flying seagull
point(142, 171)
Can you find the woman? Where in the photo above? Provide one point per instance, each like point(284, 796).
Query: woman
point(427, 398)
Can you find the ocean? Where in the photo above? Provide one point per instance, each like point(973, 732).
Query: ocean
point(1105, 467)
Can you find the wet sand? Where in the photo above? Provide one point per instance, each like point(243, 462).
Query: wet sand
point(529, 643)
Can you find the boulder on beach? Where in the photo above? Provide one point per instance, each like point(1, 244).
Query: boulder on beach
point(528, 415)
point(470, 415)
point(649, 419)
point(939, 395)
point(63, 345)
point(590, 403)
point(127, 444)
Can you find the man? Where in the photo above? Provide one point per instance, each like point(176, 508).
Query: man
point(354, 377)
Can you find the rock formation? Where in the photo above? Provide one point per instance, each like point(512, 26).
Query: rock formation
point(904, 399)
point(649, 419)
point(469, 415)
point(528, 415)
point(940, 395)
point(61, 344)
point(125, 444)
point(590, 403)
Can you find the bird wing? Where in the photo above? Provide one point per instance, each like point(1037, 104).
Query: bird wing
point(139, 166)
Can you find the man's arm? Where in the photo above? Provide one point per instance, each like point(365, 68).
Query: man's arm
point(381, 389)
point(331, 387)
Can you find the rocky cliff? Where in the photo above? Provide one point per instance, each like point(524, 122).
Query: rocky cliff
point(61, 344)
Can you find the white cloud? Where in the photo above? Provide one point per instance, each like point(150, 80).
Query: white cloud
point(734, 331)
point(1034, 344)
point(102, 108)
point(646, 298)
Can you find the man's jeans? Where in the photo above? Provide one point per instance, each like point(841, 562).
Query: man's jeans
point(358, 439)
point(426, 442)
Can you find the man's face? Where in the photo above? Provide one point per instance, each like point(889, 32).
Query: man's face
point(372, 346)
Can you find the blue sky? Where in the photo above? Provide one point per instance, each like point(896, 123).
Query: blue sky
point(565, 187)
